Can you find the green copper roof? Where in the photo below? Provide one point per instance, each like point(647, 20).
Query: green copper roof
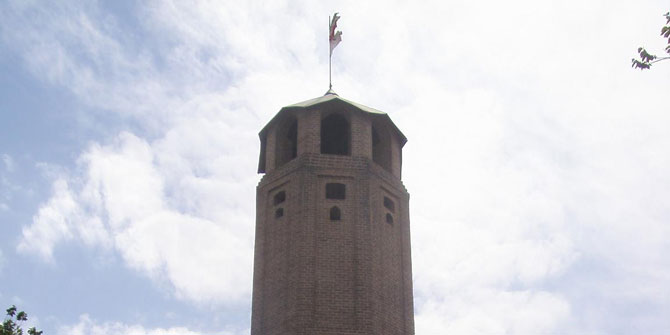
point(330, 96)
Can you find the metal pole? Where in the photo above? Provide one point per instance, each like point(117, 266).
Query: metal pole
point(330, 56)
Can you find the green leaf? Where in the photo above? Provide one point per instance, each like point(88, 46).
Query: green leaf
point(22, 316)
point(11, 311)
point(665, 31)
point(8, 327)
point(640, 65)
point(645, 56)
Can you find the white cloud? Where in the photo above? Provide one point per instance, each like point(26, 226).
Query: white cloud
point(6, 186)
point(53, 222)
point(123, 202)
point(88, 326)
point(538, 172)
point(9, 162)
point(493, 312)
point(178, 208)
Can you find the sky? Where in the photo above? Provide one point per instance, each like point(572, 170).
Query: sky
point(537, 159)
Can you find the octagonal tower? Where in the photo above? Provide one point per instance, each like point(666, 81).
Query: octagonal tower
point(332, 250)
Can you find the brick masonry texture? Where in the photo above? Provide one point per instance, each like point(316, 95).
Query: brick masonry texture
point(317, 276)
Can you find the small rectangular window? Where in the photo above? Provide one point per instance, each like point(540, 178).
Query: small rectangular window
point(335, 214)
point(279, 198)
point(388, 203)
point(335, 191)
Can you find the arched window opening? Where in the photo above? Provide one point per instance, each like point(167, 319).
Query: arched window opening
point(279, 198)
point(381, 147)
point(279, 212)
point(336, 191)
point(335, 214)
point(389, 218)
point(389, 204)
point(287, 142)
point(335, 135)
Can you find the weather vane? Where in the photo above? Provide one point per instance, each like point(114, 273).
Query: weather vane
point(335, 37)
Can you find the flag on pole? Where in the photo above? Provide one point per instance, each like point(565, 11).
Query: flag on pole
point(335, 36)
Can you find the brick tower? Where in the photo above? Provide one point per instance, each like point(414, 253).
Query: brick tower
point(332, 253)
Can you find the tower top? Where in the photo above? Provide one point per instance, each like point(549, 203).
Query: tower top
point(329, 101)
point(332, 99)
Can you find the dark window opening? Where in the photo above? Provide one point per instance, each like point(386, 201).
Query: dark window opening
point(279, 213)
point(262, 157)
point(335, 214)
point(388, 203)
point(389, 218)
point(287, 142)
point(292, 137)
point(335, 135)
point(335, 191)
point(279, 198)
point(381, 147)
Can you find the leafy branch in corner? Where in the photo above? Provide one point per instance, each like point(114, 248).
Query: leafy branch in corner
point(14, 321)
point(646, 59)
